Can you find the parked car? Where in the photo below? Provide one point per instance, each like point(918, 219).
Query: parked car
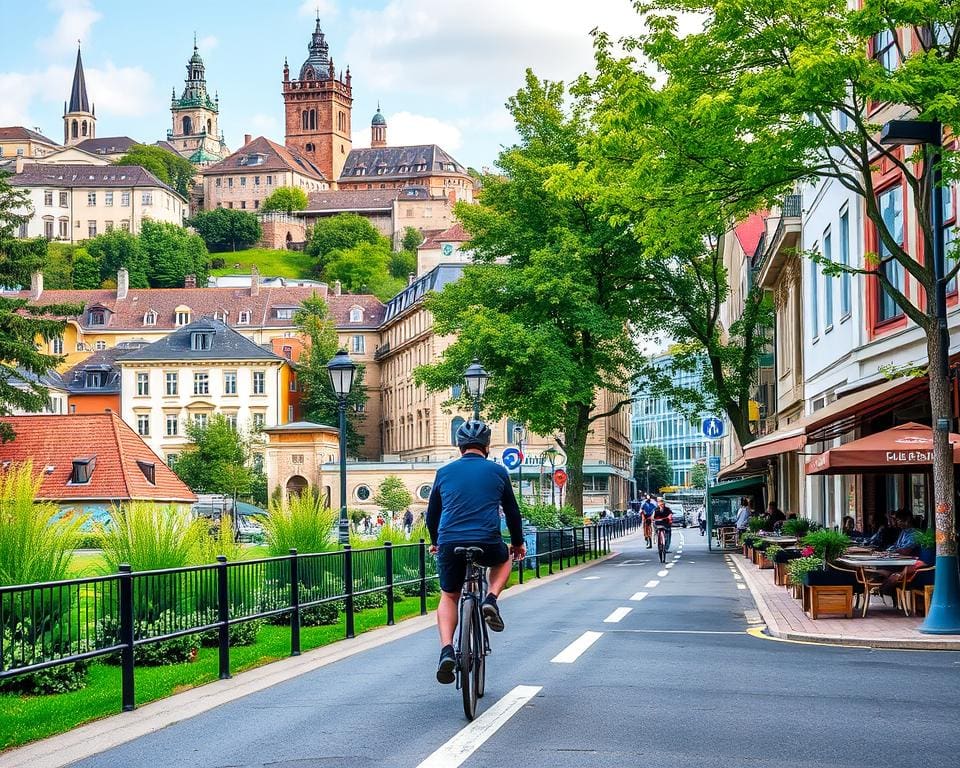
point(680, 516)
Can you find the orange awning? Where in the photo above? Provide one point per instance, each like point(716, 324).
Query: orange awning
point(906, 448)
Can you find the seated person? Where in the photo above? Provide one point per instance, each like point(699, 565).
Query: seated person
point(848, 526)
point(906, 543)
point(775, 518)
point(886, 531)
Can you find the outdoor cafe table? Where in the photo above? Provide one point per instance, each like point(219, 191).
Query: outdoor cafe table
point(782, 540)
point(865, 563)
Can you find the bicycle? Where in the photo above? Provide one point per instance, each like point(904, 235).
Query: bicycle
point(662, 543)
point(472, 644)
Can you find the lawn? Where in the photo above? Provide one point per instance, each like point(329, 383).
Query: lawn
point(86, 563)
point(271, 263)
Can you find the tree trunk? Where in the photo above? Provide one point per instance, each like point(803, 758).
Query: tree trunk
point(739, 420)
point(577, 428)
point(941, 409)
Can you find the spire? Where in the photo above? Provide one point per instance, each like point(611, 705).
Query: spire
point(78, 94)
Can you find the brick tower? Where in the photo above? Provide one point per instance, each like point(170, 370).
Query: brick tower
point(317, 106)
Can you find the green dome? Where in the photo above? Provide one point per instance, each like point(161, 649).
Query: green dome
point(378, 119)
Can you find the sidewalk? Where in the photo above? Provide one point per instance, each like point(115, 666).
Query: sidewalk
point(785, 618)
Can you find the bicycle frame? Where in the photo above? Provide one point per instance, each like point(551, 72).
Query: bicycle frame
point(474, 589)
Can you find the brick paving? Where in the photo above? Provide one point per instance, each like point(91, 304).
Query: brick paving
point(884, 627)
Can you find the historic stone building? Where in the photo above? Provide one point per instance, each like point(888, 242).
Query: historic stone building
point(195, 133)
point(317, 107)
point(79, 116)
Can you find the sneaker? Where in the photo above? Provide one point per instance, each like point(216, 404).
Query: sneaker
point(491, 613)
point(447, 665)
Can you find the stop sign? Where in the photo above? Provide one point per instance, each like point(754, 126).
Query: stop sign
point(560, 478)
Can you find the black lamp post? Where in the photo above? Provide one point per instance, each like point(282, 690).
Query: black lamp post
point(648, 477)
point(342, 370)
point(944, 614)
point(520, 434)
point(476, 378)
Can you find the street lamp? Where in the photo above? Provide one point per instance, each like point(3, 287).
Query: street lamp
point(476, 378)
point(551, 454)
point(944, 614)
point(342, 370)
point(519, 435)
point(648, 477)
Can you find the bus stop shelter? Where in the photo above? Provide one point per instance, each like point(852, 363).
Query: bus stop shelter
point(723, 500)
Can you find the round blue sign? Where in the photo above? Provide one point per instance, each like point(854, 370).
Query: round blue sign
point(512, 458)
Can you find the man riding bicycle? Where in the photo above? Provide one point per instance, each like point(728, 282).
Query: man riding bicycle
point(464, 511)
point(647, 509)
point(663, 518)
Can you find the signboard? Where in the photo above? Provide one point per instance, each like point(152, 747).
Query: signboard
point(512, 457)
point(560, 478)
point(713, 466)
point(712, 427)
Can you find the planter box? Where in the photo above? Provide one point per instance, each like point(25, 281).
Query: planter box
point(764, 562)
point(834, 600)
point(780, 574)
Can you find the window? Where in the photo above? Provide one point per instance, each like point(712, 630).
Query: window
point(171, 460)
point(201, 383)
point(97, 317)
point(200, 420)
point(64, 200)
point(108, 198)
point(200, 342)
point(259, 382)
point(56, 346)
point(827, 283)
point(243, 181)
point(814, 299)
point(356, 315)
point(48, 197)
point(48, 229)
point(148, 468)
point(229, 382)
point(64, 228)
point(243, 318)
point(258, 462)
point(82, 470)
point(256, 181)
point(269, 180)
point(125, 199)
point(91, 198)
point(171, 383)
point(100, 345)
point(95, 379)
point(949, 236)
point(125, 225)
point(890, 203)
point(230, 183)
point(183, 317)
point(256, 203)
point(143, 424)
point(845, 261)
point(108, 226)
point(357, 344)
point(150, 318)
point(885, 50)
point(362, 492)
point(284, 313)
point(293, 383)
point(143, 384)
point(287, 352)
point(243, 205)
point(173, 425)
point(231, 419)
point(91, 228)
point(258, 420)
point(216, 182)
point(146, 198)
point(454, 426)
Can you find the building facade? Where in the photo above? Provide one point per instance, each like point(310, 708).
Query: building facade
point(17, 141)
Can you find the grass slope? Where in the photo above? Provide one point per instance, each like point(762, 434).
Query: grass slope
point(271, 263)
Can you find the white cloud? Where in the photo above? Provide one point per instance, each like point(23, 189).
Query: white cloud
point(325, 8)
point(405, 128)
point(77, 17)
point(122, 91)
point(208, 43)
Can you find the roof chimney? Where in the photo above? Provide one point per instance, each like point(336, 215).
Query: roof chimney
point(247, 138)
point(337, 287)
point(36, 285)
point(189, 281)
point(123, 283)
point(254, 281)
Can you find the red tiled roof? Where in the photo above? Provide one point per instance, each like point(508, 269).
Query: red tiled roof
point(128, 313)
point(18, 132)
point(55, 441)
point(748, 232)
point(455, 234)
point(276, 158)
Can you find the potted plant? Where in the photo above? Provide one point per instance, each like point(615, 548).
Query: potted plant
point(827, 545)
point(797, 569)
point(755, 524)
point(797, 526)
point(767, 557)
point(748, 540)
point(927, 541)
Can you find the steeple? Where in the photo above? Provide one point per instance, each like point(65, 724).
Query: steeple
point(78, 94)
point(317, 65)
point(378, 129)
point(79, 119)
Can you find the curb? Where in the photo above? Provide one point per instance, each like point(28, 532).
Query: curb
point(774, 630)
point(98, 736)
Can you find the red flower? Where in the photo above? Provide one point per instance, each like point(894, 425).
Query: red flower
point(807, 551)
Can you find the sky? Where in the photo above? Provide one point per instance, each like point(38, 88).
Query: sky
point(442, 70)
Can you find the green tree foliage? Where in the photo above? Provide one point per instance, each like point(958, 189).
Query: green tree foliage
point(113, 250)
point(661, 473)
point(172, 169)
point(403, 264)
point(21, 325)
point(227, 229)
point(392, 495)
point(216, 459)
point(286, 199)
point(172, 253)
point(86, 270)
point(317, 399)
point(698, 475)
point(551, 323)
point(58, 269)
point(339, 233)
point(365, 268)
point(412, 238)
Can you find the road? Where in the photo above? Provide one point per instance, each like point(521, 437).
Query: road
point(676, 681)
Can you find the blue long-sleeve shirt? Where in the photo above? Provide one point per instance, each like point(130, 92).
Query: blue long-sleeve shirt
point(465, 503)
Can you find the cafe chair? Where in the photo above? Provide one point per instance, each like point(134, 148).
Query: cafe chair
point(850, 576)
point(914, 582)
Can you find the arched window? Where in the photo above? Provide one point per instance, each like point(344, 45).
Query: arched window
point(209, 126)
point(313, 119)
point(74, 129)
point(305, 119)
point(512, 430)
point(454, 426)
point(310, 147)
point(83, 128)
point(187, 125)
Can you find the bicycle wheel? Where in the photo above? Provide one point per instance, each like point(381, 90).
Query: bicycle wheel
point(662, 546)
point(480, 660)
point(468, 685)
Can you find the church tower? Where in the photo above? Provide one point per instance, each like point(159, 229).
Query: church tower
point(195, 133)
point(79, 120)
point(378, 129)
point(318, 106)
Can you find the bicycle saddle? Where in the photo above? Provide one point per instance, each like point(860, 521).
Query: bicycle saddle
point(468, 550)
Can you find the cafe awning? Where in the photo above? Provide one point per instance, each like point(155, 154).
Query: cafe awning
point(906, 448)
point(837, 418)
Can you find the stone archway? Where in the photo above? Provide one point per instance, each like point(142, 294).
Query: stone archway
point(296, 486)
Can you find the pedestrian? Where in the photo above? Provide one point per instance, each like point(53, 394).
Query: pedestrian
point(743, 515)
point(407, 522)
point(702, 519)
point(379, 521)
point(646, 510)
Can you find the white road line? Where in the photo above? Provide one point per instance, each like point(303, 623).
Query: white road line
point(661, 574)
point(572, 652)
point(617, 615)
point(741, 586)
point(638, 596)
point(590, 578)
point(651, 584)
point(470, 738)
point(678, 631)
point(668, 566)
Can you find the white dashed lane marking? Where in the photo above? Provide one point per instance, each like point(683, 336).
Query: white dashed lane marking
point(617, 616)
point(638, 596)
point(573, 651)
point(651, 584)
point(661, 574)
point(590, 578)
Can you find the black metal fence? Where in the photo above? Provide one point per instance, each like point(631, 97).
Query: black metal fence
point(65, 622)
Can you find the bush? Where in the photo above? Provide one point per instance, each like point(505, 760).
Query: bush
point(540, 515)
point(570, 518)
point(313, 616)
point(150, 536)
point(175, 651)
point(369, 600)
point(89, 540)
point(798, 526)
point(828, 545)
point(242, 633)
point(802, 565)
point(755, 524)
point(300, 522)
point(59, 679)
point(217, 262)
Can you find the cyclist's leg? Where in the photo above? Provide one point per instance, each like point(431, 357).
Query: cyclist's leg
point(499, 573)
point(447, 612)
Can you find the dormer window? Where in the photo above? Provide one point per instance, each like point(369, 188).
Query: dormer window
point(150, 318)
point(82, 470)
point(404, 168)
point(220, 315)
point(244, 317)
point(149, 470)
point(288, 352)
point(97, 317)
point(201, 341)
point(95, 379)
point(284, 313)
point(182, 315)
point(356, 315)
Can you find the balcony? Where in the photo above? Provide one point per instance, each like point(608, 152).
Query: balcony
point(778, 242)
point(382, 351)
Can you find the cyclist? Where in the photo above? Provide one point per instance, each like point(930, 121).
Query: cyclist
point(646, 510)
point(663, 518)
point(464, 511)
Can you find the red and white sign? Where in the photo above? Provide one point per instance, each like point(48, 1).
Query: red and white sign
point(560, 478)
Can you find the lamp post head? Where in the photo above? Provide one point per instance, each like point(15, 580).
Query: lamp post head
point(519, 433)
point(910, 132)
point(476, 379)
point(342, 371)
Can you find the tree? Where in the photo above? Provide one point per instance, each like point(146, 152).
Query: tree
point(86, 270)
point(172, 169)
point(172, 253)
point(21, 324)
point(661, 473)
point(412, 239)
point(392, 495)
point(216, 459)
point(340, 233)
point(698, 475)
point(364, 268)
point(403, 264)
point(116, 249)
point(226, 229)
point(317, 400)
point(800, 90)
point(550, 323)
point(286, 199)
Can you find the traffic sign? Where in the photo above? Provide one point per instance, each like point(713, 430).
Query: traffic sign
point(560, 478)
point(713, 465)
point(712, 427)
point(512, 457)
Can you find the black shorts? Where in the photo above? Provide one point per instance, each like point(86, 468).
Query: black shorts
point(452, 567)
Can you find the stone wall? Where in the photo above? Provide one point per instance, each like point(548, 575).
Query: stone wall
point(282, 231)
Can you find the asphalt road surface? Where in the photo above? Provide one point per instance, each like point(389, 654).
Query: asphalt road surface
point(586, 676)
